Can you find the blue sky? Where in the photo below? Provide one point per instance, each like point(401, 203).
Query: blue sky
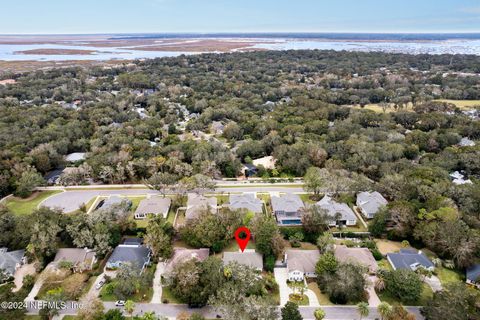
point(114, 16)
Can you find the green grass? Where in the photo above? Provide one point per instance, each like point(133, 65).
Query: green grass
point(301, 300)
point(233, 246)
point(135, 202)
point(322, 297)
point(306, 198)
point(144, 295)
point(427, 293)
point(447, 276)
point(26, 206)
point(384, 264)
point(462, 104)
point(71, 318)
point(168, 295)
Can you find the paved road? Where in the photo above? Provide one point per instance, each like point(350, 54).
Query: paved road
point(172, 310)
point(69, 201)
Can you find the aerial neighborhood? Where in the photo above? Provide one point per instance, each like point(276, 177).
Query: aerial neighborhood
point(357, 176)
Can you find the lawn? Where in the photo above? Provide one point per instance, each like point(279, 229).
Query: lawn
point(167, 295)
point(233, 246)
point(377, 108)
point(447, 276)
point(135, 202)
point(26, 206)
point(301, 300)
point(307, 198)
point(144, 295)
point(427, 293)
point(303, 246)
point(384, 264)
point(322, 298)
point(462, 104)
point(387, 246)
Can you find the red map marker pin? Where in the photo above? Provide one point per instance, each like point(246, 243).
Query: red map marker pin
point(242, 242)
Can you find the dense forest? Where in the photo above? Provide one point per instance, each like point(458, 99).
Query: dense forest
point(306, 108)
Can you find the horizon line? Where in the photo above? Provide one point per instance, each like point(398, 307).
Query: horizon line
point(248, 32)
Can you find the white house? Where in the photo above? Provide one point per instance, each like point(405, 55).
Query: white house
point(346, 216)
point(301, 264)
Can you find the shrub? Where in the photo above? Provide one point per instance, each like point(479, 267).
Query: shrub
point(269, 263)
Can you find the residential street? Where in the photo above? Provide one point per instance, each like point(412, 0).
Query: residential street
point(172, 310)
point(70, 201)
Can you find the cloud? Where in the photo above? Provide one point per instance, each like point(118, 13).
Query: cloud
point(470, 10)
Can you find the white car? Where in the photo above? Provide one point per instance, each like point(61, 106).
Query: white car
point(100, 284)
point(119, 303)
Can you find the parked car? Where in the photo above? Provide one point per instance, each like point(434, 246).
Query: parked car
point(100, 284)
point(120, 303)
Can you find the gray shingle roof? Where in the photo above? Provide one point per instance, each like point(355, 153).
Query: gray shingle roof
point(473, 273)
point(138, 255)
point(334, 207)
point(181, 255)
point(197, 203)
point(154, 205)
point(302, 260)
point(9, 260)
point(361, 256)
point(408, 257)
point(113, 201)
point(370, 202)
point(74, 255)
point(246, 201)
point(287, 203)
point(247, 258)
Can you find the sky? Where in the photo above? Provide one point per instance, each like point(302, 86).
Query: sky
point(204, 16)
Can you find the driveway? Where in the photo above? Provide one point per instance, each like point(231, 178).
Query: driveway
point(434, 283)
point(93, 292)
point(281, 277)
point(373, 299)
point(157, 283)
point(26, 269)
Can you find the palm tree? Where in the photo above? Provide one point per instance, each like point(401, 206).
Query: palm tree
point(319, 314)
point(363, 309)
point(130, 307)
point(384, 309)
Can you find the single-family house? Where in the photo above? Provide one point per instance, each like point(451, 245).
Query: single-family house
point(473, 275)
point(361, 256)
point(131, 253)
point(466, 142)
point(246, 201)
point(113, 201)
point(340, 212)
point(301, 264)
point(53, 176)
point(81, 259)
point(288, 209)
point(10, 261)
point(409, 259)
point(370, 202)
point(267, 162)
point(249, 170)
point(197, 203)
point(181, 255)
point(153, 205)
point(248, 258)
point(75, 157)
